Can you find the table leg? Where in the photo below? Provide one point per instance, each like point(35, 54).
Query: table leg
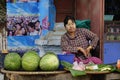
point(10, 76)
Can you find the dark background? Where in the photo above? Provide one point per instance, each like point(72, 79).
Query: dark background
point(112, 7)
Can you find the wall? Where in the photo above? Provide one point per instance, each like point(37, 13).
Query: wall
point(90, 9)
point(63, 8)
point(93, 10)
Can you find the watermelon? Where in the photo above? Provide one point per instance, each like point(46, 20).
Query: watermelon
point(12, 61)
point(30, 61)
point(49, 62)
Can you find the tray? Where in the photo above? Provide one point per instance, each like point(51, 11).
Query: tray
point(97, 72)
point(94, 72)
point(32, 72)
point(118, 70)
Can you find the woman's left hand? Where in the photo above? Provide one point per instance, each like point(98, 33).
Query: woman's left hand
point(88, 50)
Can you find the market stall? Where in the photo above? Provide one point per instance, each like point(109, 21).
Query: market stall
point(64, 74)
point(64, 71)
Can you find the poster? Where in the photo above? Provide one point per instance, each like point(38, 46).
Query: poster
point(28, 20)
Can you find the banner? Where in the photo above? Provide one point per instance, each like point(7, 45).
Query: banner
point(28, 20)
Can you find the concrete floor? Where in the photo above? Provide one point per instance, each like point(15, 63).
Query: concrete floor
point(1, 76)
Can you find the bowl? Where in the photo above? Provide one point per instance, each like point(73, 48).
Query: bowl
point(108, 17)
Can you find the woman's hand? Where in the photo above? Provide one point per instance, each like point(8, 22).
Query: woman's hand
point(88, 50)
point(82, 50)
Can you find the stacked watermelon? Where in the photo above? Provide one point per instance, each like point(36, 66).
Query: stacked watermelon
point(12, 61)
point(31, 61)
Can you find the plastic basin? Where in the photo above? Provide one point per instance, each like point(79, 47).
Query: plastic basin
point(65, 57)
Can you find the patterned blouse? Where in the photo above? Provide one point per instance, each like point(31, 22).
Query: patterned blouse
point(83, 38)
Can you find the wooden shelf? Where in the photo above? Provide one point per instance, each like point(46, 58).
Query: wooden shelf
point(112, 41)
point(112, 31)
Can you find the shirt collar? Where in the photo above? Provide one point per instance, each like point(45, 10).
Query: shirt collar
point(69, 35)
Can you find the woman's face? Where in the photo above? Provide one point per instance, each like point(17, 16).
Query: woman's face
point(71, 26)
point(18, 27)
point(23, 30)
point(23, 0)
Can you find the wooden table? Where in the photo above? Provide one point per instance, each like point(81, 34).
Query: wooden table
point(41, 75)
point(57, 75)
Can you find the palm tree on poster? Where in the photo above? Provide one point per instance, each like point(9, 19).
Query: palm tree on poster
point(3, 33)
point(2, 15)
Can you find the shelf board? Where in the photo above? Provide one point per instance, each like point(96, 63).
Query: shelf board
point(115, 22)
point(112, 41)
point(114, 33)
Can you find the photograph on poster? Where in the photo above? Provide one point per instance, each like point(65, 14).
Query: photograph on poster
point(17, 1)
point(23, 25)
point(24, 20)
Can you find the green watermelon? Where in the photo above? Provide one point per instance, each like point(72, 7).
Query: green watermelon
point(49, 62)
point(12, 61)
point(30, 61)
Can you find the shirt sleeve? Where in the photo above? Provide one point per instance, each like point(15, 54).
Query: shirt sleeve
point(66, 47)
point(91, 36)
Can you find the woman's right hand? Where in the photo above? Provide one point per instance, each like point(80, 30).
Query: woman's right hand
point(82, 50)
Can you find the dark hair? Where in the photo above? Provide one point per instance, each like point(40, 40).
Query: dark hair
point(68, 18)
point(37, 21)
point(32, 25)
point(18, 24)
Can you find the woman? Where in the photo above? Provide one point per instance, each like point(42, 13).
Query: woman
point(18, 31)
point(79, 41)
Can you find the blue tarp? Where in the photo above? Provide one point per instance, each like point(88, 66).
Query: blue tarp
point(22, 8)
point(20, 41)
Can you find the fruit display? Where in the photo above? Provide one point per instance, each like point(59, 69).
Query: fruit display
point(12, 61)
point(30, 61)
point(118, 64)
point(78, 69)
point(49, 62)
